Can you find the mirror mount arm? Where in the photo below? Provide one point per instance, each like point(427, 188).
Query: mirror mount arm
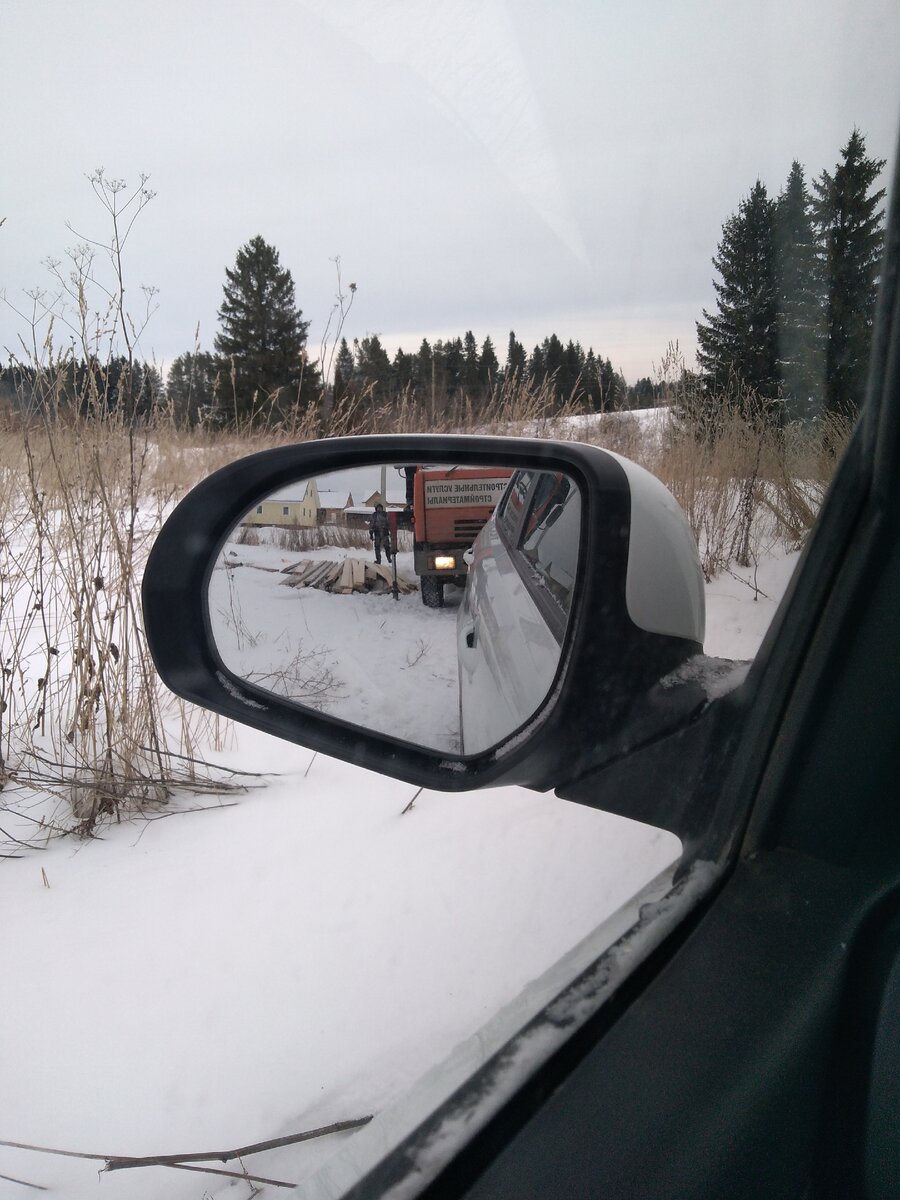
point(695, 731)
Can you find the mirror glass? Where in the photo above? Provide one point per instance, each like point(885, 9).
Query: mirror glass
point(424, 601)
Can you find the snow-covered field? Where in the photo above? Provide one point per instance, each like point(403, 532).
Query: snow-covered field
point(301, 954)
point(389, 665)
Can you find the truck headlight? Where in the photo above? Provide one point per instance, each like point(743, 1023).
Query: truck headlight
point(444, 562)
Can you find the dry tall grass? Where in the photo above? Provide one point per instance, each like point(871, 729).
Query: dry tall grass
point(82, 716)
point(748, 483)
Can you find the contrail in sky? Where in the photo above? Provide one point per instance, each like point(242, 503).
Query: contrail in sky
point(467, 54)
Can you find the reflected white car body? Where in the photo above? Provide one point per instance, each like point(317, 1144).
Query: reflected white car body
point(521, 577)
point(508, 655)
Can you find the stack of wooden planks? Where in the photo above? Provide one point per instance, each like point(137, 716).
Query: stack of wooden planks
point(346, 576)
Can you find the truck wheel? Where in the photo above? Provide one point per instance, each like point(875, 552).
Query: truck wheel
point(432, 591)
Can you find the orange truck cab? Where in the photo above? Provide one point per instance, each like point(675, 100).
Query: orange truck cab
point(450, 506)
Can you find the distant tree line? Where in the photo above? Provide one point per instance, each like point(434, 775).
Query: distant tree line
point(262, 365)
point(795, 293)
point(440, 378)
point(84, 389)
point(261, 361)
point(441, 375)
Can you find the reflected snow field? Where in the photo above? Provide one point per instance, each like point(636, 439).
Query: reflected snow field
point(389, 665)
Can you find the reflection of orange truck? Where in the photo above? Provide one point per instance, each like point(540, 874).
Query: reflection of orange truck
point(450, 506)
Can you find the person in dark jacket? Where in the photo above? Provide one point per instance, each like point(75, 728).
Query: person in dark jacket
point(380, 533)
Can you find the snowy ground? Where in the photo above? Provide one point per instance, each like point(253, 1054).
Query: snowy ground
point(217, 978)
point(740, 604)
point(386, 664)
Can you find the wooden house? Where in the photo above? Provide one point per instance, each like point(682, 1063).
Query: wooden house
point(296, 505)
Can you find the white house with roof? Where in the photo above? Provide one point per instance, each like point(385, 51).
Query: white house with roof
point(333, 506)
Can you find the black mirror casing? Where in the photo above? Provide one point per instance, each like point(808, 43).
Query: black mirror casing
point(598, 705)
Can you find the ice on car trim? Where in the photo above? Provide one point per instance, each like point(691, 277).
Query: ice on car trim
point(235, 692)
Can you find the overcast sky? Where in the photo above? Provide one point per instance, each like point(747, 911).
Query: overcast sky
point(476, 164)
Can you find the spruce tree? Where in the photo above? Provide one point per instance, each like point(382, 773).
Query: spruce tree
point(739, 342)
point(262, 332)
point(611, 385)
point(129, 387)
point(643, 394)
point(488, 365)
point(470, 364)
point(570, 376)
point(423, 372)
point(516, 358)
point(343, 360)
point(190, 385)
point(537, 369)
point(373, 366)
point(439, 385)
point(454, 364)
point(851, 240)
point(402, 370)
point(590, 380)
point(801, 309)
point(554, 362)
point(344, 369)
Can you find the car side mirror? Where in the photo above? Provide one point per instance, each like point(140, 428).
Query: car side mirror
point(498, 617)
